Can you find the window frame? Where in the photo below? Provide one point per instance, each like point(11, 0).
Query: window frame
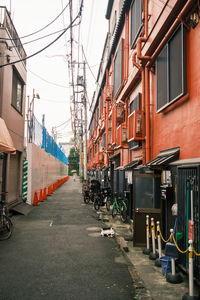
point(183, 91)
point(117, 88)
point(19, 80)
point(139, 27)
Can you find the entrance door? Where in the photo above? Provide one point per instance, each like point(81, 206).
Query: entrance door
point(146, 201)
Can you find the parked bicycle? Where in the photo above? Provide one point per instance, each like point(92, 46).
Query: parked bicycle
point(120, 208)
point(6, 226)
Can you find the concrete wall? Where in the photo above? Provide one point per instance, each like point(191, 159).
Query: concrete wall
point(43, 170)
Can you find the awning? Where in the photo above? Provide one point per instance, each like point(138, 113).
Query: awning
point(164, 158)
point(132, 164)
point(115, 156)
point(6, 142)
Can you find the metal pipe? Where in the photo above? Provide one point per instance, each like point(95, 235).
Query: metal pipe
point(159, 240)
point(153, 236)
point(147, 232)
point(191, 271)
point(147, 114)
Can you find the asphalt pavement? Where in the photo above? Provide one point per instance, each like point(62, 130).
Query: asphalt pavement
point(57, 253)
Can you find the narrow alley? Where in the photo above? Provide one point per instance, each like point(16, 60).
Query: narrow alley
point(56, 252)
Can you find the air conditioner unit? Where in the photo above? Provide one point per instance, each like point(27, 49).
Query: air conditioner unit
point(124, 135)
point(135, 124)
point(108, 92)
point(119, 110)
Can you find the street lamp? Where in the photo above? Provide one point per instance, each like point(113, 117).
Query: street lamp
point(30, 115)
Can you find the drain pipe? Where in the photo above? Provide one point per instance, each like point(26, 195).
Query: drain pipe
point(143, 38)
point(147, 115)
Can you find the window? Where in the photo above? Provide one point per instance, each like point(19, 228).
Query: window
point(135, 104)
point(118, 69)
point(171, 70)
point(136, 19)
point(17, 90)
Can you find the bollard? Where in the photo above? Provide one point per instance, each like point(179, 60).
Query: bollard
point(191, 295)
point(147, 250)
point(171, 250)
point(157, 261)
point(153, 255)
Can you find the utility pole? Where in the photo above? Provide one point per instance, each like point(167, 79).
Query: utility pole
point(81, 147)
point(85, 123)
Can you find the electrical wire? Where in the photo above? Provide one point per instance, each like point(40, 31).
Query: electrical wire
point(40, 38)
point(66, 122)
point(23, 59)
point(25, 36)
point(90, 23)
point(49, 82)
point(89, 66)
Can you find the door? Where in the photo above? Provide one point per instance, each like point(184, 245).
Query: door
point(146, 201)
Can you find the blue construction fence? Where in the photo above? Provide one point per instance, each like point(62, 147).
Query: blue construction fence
point(40, 137)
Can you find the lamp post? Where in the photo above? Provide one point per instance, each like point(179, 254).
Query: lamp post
point(30, 115)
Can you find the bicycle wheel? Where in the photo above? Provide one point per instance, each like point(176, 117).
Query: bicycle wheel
point(114, 211)
point(96, 204)
point(123, 213)
point(5, 228)
point(86, 199)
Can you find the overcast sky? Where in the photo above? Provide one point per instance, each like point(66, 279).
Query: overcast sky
point(51, 65)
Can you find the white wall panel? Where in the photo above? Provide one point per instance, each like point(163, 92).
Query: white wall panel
point(43, 170)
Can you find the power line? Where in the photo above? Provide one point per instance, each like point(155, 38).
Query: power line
point(40, 38)
point(23, 59)
point(25, 36)
point(89, 65)
point(49, 82)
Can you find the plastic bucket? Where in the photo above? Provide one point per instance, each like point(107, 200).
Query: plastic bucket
point(166, 264)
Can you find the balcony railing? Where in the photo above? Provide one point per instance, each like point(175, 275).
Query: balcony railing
point(6, 23)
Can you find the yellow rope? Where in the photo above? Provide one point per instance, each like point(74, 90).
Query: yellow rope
point(155, 232)
point(183, 252)
point(197, 254)
point(149, 231)
point(165, 241)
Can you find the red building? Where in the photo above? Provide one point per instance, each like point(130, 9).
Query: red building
point(144, 127)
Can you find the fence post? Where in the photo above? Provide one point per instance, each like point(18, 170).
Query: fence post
point(147, 250)
point(157, 261)
point(153, 255)
point(191, 295)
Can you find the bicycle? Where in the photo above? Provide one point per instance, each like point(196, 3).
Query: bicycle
point(119, 207)
point(6, 226)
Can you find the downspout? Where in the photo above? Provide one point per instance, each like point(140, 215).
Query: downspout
point(143, 38)
point(143, 110)
point(147, 115)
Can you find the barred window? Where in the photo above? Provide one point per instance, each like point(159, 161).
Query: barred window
point(136, 19)
point(171, 70)
point(118, 69)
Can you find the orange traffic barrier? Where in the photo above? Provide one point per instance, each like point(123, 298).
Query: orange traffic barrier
point(41, 196)
point(49, 190)
point(35, 200)
point(45, 194)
